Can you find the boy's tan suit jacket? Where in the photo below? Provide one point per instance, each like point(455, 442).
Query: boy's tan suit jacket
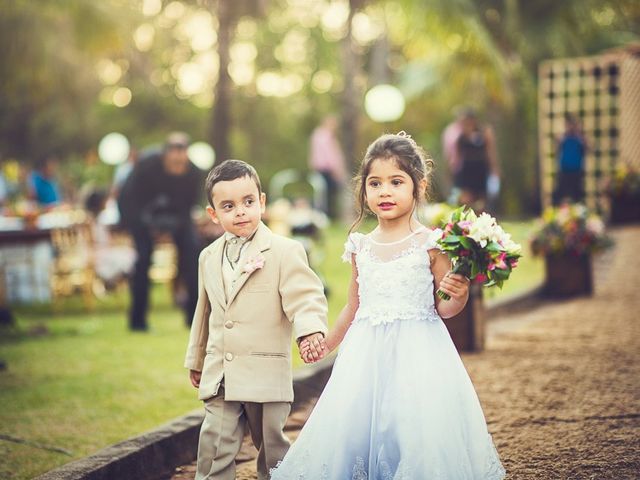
point(247, 337)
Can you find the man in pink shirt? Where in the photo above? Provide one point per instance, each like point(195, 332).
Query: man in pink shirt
point(326, 158)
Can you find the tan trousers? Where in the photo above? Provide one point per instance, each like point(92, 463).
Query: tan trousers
point(223, 429)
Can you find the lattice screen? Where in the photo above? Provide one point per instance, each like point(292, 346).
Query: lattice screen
point(604, 93)
point(630, 110)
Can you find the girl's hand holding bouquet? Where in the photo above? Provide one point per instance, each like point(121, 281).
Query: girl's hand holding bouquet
point(478, 248)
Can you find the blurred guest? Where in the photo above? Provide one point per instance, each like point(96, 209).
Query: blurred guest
point(477, 161)
point(4, 189)
point(42, 184)
point(112, 262)
point(123, 171)
point(7, 321)
point(156, 199)
point(571, 152)
point(450, 143)
point(326, 158)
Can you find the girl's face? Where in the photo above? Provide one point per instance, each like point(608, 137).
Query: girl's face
point(389, 190)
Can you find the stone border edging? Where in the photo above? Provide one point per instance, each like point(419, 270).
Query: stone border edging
point(151, 455)
point(156, 454)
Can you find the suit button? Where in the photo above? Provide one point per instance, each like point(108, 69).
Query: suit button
point(228, 356)
point(228, 324)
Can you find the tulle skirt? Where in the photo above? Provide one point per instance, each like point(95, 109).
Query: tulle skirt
point(399, 405)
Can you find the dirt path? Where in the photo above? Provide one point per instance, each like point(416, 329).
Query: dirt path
point(560, 385)
point(562, 392)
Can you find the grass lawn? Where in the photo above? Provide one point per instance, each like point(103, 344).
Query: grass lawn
point(86, 382)
point(80, 381)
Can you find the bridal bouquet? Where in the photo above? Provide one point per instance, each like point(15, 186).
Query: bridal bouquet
point(478, 248)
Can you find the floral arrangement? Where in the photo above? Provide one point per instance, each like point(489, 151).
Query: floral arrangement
point(478, 248)
point(624, 182)
point(569, 229)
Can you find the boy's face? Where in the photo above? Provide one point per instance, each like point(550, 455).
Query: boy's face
point(238, 206)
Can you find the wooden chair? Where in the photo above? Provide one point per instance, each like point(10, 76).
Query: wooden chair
point(73, 264)
point(163, 260)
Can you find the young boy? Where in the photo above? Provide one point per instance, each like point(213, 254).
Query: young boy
point(255, 287)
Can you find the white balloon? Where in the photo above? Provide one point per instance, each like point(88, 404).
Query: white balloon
point(202, 155)
point(113, 148)
point(384, 103)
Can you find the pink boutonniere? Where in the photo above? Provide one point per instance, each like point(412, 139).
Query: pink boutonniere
point(253, 264)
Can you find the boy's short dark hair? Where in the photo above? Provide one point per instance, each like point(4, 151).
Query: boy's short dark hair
point(227, 171)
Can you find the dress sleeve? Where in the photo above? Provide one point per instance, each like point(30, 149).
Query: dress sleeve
point(352, 245)
point(432, 239)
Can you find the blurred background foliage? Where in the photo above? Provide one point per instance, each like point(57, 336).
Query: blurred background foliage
point(254, 77)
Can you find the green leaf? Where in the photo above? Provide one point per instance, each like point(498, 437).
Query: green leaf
point(466, 242)
point(451, 239)
point(494, 247)
point(501, 274)
point(474, 269)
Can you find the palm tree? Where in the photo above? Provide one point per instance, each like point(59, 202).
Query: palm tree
point(228, 13)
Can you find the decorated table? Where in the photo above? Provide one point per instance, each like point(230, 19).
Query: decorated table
point(27, 255)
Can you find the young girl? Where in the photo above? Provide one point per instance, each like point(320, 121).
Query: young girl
point(399, 404)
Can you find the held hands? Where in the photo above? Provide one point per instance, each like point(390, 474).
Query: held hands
point(312, 347)
point(194, 376)
point(456, 286)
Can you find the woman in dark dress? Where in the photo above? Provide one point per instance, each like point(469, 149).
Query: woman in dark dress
point(478, 160)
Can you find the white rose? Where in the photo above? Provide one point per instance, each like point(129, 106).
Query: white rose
point(482, 229)
point(511, 246)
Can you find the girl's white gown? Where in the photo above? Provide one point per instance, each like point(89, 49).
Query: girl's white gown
point(399, 404)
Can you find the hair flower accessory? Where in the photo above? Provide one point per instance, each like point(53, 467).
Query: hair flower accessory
point(406, 136)
point(253, 264)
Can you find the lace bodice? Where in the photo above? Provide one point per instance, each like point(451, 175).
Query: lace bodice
point(394, 279)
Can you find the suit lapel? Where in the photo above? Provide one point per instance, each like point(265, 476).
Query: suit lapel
point(217, 283)
point(261, 242)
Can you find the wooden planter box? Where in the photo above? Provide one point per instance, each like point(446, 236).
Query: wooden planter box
point(625, 208)
point(467, 327)
point(568, 275)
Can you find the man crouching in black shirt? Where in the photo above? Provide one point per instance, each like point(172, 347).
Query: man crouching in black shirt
point(157, 198)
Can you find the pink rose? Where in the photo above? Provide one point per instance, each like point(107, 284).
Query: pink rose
point(253, 264)
point(480, 278)
point(499, 262)
point(465, 224)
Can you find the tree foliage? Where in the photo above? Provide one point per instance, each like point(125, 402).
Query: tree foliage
point(75, 70)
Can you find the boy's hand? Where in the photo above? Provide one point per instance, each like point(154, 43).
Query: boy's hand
point(456, 286)
point(194, 376)
point(312, 347)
